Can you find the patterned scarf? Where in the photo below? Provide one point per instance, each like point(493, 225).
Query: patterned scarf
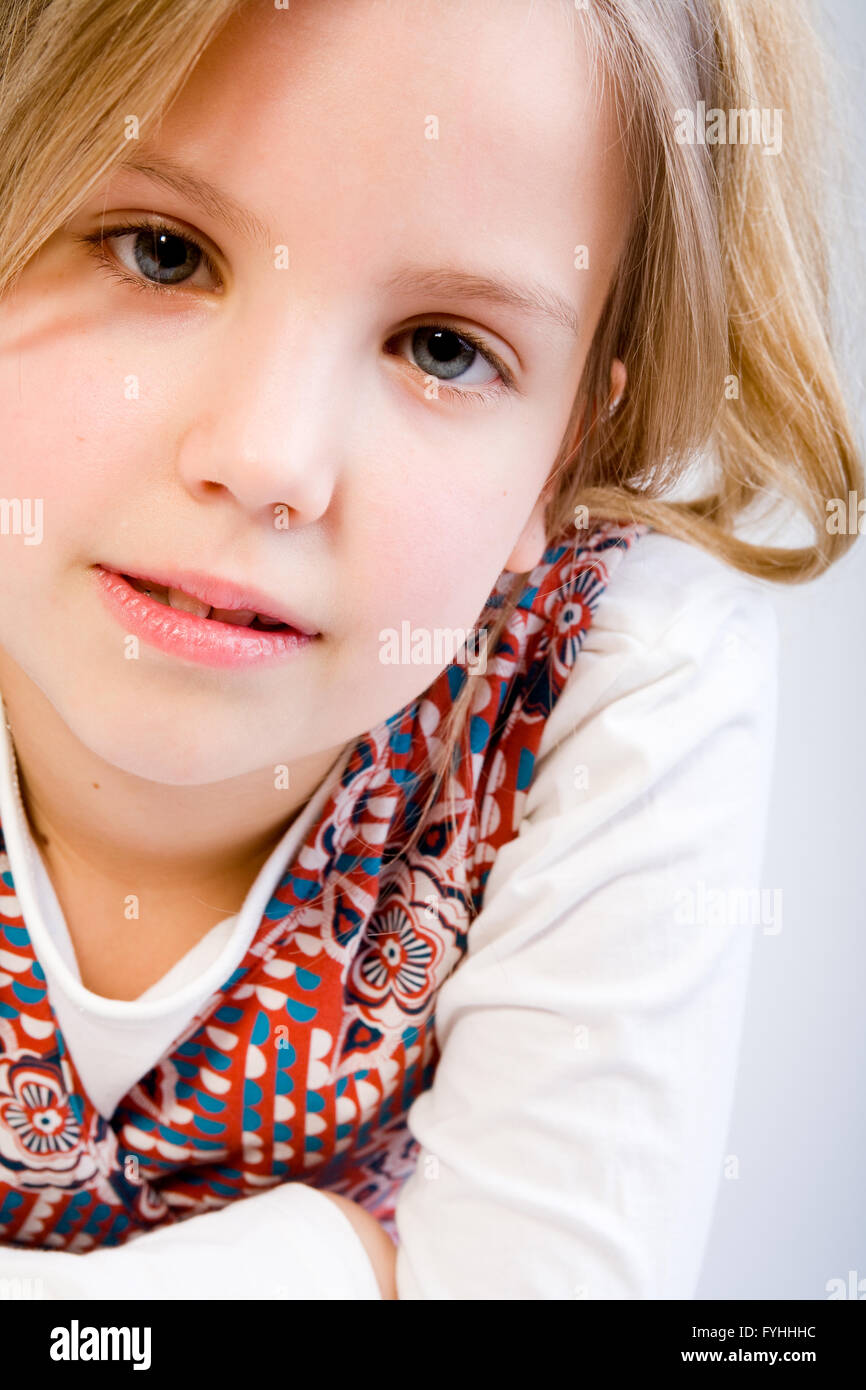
point(303, 1064)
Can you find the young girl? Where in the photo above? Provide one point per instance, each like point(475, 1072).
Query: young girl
point(386, 748)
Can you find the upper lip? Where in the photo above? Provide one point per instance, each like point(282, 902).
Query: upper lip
point(220, 593)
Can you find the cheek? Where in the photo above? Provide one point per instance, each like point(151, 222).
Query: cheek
point(81, 396)
point(66, 421)
point(435, 528)
point(422, 560)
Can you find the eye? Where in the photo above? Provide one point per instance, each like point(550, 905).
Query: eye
point(154, 256)
point(160, 255)
point(450, 356)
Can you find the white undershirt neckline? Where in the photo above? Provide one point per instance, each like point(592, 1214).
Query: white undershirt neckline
point(115, 1042)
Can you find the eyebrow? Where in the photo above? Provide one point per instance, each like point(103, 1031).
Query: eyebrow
point(537, 300)
point(212, 200)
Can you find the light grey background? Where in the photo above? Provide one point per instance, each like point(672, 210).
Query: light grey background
point(795, 1217)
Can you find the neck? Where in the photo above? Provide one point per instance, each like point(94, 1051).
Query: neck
point(113, 825)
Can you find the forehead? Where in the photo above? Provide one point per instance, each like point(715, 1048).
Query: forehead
point(462, 124)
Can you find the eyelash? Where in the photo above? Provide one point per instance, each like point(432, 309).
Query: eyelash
point(96, 242)
point(467, 395)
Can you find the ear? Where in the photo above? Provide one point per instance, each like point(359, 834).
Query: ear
point(532, 542)
point(618, 378)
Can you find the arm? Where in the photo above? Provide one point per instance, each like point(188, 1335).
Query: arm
point(292, 1242)
point(572, 1140)
point(380, 1248)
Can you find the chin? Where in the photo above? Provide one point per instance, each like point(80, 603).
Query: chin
point(158, 760)
point(173, 753)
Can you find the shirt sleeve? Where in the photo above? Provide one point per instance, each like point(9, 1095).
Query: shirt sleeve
point(288, 1243)
point(571, 1143)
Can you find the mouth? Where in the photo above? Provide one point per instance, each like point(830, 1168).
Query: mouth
point(183, 602)
point(201, 619)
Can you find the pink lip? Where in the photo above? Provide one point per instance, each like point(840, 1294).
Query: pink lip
point(203, 640)
point(219, 593)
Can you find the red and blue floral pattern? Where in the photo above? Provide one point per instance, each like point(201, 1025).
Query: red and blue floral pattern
point(304, 1064)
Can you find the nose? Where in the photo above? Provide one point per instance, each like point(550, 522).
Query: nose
point(260, 426)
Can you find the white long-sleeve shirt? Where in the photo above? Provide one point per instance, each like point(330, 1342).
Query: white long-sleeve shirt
point(573, 1137)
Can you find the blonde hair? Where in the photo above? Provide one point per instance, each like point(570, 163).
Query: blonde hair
point(724, 277)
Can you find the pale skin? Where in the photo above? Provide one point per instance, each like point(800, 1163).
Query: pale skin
point(154, 777)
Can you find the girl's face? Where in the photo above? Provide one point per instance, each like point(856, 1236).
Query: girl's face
point(301, 409)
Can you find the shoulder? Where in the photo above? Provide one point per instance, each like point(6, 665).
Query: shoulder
point(661, 579)
point(660, 746)
point(680, 625)
point(664, 732)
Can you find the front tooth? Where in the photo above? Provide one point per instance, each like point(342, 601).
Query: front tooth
point(241, 617)
point(269, 622)
point(178, 599)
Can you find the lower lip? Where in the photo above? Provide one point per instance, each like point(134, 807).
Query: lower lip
point(202, 640)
